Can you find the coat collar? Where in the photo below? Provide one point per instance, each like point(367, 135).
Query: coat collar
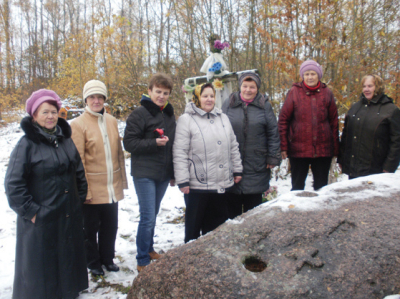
point(37, 135)
point(306, 90)
point(147, 103)
point(191, 108)
point(259, 100)
point(380, 98)
point(91, 112)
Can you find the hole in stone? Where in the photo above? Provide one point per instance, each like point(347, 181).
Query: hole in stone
point(254, 264)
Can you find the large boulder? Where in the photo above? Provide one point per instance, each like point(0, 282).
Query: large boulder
point(340, 242)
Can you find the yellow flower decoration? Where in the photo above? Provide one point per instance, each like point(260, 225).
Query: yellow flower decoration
point(218, 85)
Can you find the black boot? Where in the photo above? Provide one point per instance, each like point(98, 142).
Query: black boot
point(112, 268)
point(97, 272)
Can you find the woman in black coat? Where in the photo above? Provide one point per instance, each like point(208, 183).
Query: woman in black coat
point(46, 186)
point(370, 142)
point(256, 130)
point(149, 136)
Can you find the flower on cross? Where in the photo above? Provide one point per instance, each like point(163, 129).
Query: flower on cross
point(216, 68)
point(218, 85)
point(219, 46)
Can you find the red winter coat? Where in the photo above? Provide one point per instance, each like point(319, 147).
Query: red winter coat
point(308, 123)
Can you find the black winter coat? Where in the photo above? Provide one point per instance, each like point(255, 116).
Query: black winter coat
point(370, 141)
point(45, 177)
point(256, 130)
point(147, 159)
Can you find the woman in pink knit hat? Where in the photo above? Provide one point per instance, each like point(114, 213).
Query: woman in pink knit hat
point(308, 127)
point(46, 186)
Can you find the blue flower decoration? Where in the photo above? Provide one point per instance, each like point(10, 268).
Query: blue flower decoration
point(217, 66)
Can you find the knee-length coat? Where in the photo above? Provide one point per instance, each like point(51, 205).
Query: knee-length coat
point(45, 177)
point(256, 131)
point(308, 123)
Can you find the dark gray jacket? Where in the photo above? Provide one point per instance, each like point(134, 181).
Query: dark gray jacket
point(256, 130)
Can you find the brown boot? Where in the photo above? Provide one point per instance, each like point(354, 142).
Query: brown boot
point(154, 255)
point(140, 268)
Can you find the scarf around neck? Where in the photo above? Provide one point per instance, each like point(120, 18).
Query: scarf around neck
point(247, 102)
point(47, 131)
point(312, 88)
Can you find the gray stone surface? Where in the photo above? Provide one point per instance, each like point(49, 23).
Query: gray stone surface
point(345, 250)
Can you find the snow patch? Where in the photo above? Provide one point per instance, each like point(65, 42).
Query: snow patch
point(328, 197)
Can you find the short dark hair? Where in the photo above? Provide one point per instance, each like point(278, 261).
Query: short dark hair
point(207, 85)
point(161, 80)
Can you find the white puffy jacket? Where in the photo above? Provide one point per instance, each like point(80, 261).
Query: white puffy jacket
point(206, 153)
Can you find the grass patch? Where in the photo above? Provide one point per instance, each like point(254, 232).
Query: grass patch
point(118, 287)
point(126, 270)
point(177, 220)
point(126, 237)
point(120, 258)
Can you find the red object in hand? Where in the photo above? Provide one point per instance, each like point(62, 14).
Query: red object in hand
point(160, 132)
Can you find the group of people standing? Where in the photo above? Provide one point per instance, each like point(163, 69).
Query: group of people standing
point(64, 182)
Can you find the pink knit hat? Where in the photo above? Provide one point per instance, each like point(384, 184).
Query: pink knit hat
point(311, 65)
point(39, 97)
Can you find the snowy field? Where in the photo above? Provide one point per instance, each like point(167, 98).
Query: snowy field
point(169, 231)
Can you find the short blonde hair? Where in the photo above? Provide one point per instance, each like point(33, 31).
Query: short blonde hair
point(378, 81)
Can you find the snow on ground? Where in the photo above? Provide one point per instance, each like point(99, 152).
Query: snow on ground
point(169, 232)
point(167, 235)
point(384, 185)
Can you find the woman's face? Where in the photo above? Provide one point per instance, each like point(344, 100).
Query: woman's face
point(310, 78)
point(248, 90)
point(207, 99)
point(95, 102)
point(46, 116)
point(369, 88)
point(159, 95)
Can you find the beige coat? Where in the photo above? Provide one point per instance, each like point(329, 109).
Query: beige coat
point(97, 139)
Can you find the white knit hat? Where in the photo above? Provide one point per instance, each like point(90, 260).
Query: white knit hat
point(94, 87)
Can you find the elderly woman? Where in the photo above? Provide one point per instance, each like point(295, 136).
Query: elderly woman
point(370, 141)
point(46, 186)
point(149, 136)
point(308, 126)
point(96, 136)
point(206, 162)
point(255, 127)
